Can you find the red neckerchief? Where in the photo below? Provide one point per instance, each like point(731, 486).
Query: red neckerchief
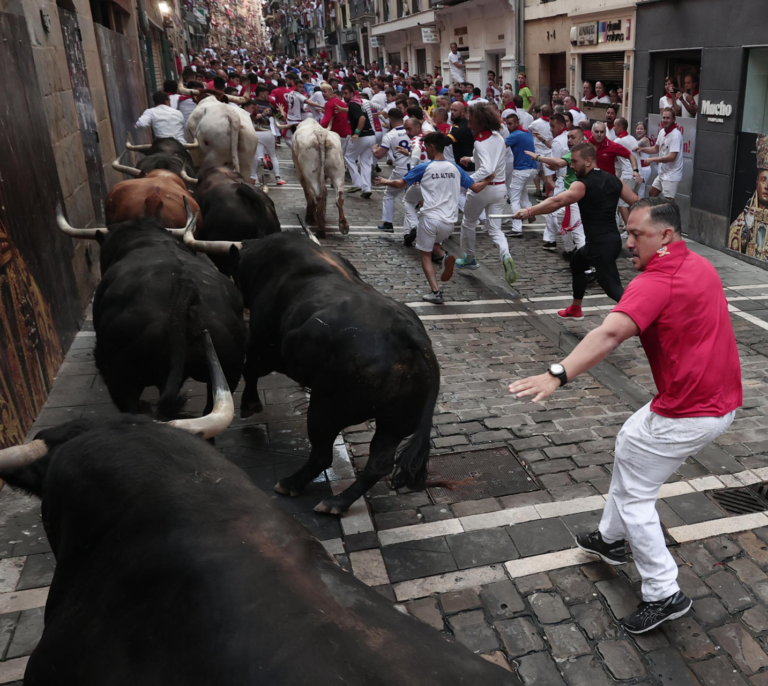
point(694, 93)
point(591, 96)
point(482, 136)
point(576, 108)
point(670, 129)
point(543, 118)
point(610, 126)
point(444, 128)
point(184, 97)
point(520, 128)
point(622, 134)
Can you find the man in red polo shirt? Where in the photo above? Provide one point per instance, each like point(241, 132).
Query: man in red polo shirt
point(678, 308)
point(608, 151)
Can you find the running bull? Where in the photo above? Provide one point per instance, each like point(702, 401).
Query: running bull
point(363, 355)
point(154, 301)
point(233, 209)
point(162, 153)
point(172, 569)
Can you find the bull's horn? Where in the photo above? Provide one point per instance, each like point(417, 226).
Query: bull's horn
point(130, 171)
point(186, 177)
point(138, 148)
point(70, 231)
point(223, 411)
point(22, 455)
point(209, 247)
point(191, 221)
point(236, 99)
point(194, 144)
point(182, 90)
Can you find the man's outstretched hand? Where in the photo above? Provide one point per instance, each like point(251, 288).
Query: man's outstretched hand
point(541, 386)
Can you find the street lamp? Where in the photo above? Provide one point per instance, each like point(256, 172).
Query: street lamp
point(164, 7)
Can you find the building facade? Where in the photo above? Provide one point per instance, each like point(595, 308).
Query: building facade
point(726, 158)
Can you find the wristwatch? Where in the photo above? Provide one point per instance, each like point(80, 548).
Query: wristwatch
point(559, 371)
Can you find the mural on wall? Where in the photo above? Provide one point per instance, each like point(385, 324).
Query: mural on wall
point(31, 350)
point(748, 233)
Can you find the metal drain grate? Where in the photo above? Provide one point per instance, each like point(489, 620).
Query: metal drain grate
point(738, 501)
point(478, 474)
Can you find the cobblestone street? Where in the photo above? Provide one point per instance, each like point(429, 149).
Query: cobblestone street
point(493, 562)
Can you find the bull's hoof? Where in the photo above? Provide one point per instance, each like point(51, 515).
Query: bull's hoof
point(344, 228)
point(251, 408)
point(282, 490)
point(330, 506)
point(320, 233)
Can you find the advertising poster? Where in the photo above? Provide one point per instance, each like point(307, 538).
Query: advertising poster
point(748, 233)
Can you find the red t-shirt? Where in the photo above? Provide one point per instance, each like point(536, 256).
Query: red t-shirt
point(607, 153)
point(340, 121)
point(679, 306)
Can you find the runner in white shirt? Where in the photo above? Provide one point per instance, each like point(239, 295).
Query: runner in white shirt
point(490, 159)
point(669, 145)
point(627, 169)
point(576, 113)
point(413, 195)
point(542, 141)
point(554, 220)
point(440, 182)
point(396, 143)
point(456, 65)
point(165, 121)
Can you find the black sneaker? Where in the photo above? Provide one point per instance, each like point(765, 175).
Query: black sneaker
point(612, 553)
point(365, 195)
point(409, 238)
point(386, 227)
point(550, 246)
point(567, 254)
point(514, 234)
point(650, 614)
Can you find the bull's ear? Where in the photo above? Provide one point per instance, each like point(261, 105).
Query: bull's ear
point(234, 258)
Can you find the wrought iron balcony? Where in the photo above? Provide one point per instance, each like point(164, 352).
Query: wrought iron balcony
point(360, 9)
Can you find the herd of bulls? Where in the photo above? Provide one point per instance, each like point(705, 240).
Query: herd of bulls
point(172, 568)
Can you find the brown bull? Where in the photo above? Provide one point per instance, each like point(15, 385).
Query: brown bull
point(159, 194)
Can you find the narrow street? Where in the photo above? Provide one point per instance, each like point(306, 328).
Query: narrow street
point(494, 561)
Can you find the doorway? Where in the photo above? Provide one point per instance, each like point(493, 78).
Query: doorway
point(421, 61)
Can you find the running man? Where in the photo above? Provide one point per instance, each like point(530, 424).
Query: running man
point(440, 183)
point(597, 193)
point(490, 158)
point(396, 143)
point(678, 308)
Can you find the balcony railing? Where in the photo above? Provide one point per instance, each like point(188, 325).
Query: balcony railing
point(361, 8)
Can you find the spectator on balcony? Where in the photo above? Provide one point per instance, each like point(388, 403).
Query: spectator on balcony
point(456, 64)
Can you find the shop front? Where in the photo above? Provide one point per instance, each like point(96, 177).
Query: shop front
point(602, 52)
point(723, 67)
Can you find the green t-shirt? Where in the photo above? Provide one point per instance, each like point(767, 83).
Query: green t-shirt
point(570, 172)
point(525, 94)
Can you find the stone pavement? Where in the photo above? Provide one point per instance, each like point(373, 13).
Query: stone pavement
point(493, 562)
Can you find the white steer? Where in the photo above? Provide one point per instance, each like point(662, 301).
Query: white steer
point(317, 156)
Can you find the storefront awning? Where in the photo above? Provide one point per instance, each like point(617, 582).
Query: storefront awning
point(419, 19)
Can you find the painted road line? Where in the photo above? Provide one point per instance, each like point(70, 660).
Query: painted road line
point(547, 562)
point(452, 581)
point(465, 303)
point(472, 315)
point(749, 317)
point(357, 520)
point(718, 527)
point(527, 513)
point(18, 601)
point(13, 670)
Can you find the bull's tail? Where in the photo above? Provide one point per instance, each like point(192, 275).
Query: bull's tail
point(411, 461)
point(234, 138)
point(183, 298)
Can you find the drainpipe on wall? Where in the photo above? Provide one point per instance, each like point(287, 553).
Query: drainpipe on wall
point(520, 42)
point(143, 44)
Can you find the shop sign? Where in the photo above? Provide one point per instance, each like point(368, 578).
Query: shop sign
point(716, 112)
point(429, 34)
point(349, 37)
point(616, 31)
point(586, 34)
point(377, 41)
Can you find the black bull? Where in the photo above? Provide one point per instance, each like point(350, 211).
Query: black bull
point(363, 355)
point(232, 210)
point(172, 569)
point(155, 300)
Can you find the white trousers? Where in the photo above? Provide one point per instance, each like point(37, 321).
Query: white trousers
point(649, 449)
point(412, 198)
point(575, 238)
point(518, 195)
point(491, 200)
point(554, 220)
point(359, 152)
point(388, 201)
point(266, 146)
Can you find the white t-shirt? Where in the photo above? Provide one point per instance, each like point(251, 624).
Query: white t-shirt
point(559, 148)
point(379, 101)
point(490, 156)
point(320, 100)
point(623, 164)
point(665, 101)
point(541, 126)
point(578, 116)
point(526, 118)
point(684, 112)
point(295, 101)
point(672, 142)
point(165, 121)
point(398, 139)
point(441, 183)
point(610, 133)
point(456, 65)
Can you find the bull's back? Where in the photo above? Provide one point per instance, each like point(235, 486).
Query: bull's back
point(210, 582)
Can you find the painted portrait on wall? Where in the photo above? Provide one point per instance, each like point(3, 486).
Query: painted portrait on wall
point(748, 233)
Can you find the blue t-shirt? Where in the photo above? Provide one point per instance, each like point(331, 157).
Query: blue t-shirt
point(441, 183)
point(520, 141)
